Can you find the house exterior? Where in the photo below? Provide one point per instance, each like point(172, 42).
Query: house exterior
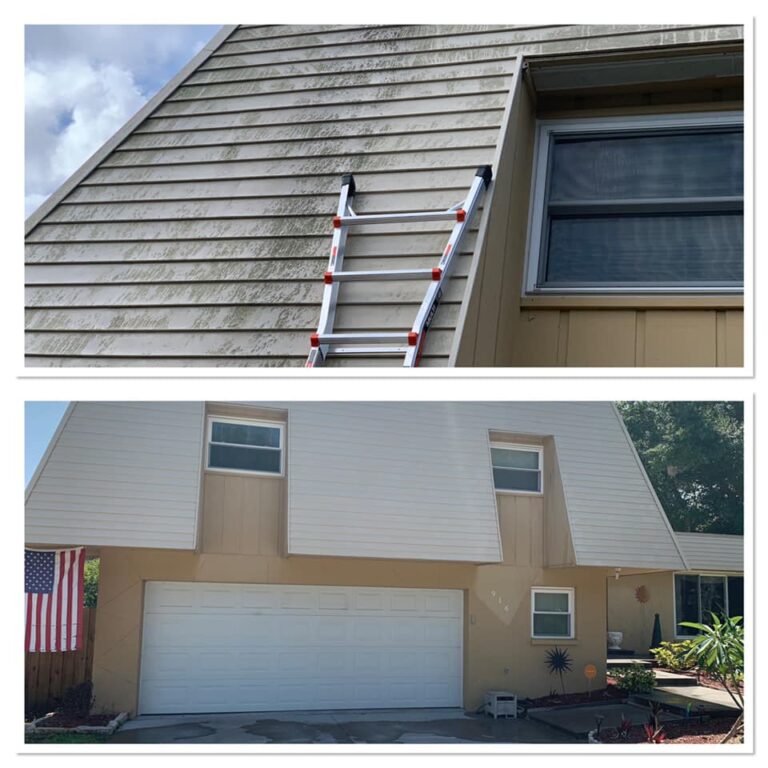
point(610, 236)
point(321, 555)
point(712, 582)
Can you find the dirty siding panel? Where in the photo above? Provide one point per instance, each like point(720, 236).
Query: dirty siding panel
point(213, 216)
point(712, 551)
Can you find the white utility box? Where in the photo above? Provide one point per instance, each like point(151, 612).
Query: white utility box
point(501, 704)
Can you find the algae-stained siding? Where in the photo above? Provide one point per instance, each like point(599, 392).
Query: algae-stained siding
point(201, 239)
point(119, 474)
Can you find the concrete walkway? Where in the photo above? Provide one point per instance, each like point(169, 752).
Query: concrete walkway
point(417, 726)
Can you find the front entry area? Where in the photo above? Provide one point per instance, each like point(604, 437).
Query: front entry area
point(213, 647)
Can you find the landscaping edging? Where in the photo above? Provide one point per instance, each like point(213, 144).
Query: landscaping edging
point(106, 730)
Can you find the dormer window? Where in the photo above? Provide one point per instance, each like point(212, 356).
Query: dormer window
point(517, 468)
point(240, 445)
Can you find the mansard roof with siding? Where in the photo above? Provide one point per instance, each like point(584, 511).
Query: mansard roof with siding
point(198, 235)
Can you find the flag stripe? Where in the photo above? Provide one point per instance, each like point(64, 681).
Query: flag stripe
point(56, 632)
point(28, 632)
point(79, 603)
point(38, 604)
point(54, 584)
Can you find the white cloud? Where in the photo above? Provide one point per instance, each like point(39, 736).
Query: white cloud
point(72, 107)
point(82, 83)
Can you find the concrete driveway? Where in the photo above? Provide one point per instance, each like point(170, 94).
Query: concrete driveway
point(395, 726)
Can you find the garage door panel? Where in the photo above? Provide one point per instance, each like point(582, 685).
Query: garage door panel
point(228, 647)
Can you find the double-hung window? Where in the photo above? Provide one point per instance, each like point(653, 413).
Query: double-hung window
point(643, 204)
point(517, 468)
point(552, 612)
point(698, 596)
point(240, 445)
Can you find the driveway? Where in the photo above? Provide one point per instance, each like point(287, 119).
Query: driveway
point(396, 726)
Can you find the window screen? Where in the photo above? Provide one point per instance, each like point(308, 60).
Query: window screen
point(653, 208)
point(552, 614)
point(516, 468)
point(245, 446)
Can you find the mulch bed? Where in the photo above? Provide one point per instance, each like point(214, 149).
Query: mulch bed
point(58, 720)
point(567, 699)
point(677, 732)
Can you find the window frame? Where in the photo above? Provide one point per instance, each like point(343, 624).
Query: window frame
point(720, 574)
point(571, 592)
point(519, 447)
point(535, 249)
point(250, 423)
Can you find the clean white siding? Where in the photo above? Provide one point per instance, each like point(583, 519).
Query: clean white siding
point(414, 480)
point(712, 551)
point(120, 474)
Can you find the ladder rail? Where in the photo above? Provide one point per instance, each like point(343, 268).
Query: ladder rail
point(410, 344)
point(428, 307)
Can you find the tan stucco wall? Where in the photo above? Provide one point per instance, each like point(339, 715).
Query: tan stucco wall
point(499, 652)
point(504, 328)
point(242, 534)
point(635, 619)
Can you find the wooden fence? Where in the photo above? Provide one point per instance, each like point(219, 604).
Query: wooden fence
point(48, 675)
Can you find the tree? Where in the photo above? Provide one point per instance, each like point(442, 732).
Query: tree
point(693, 454)
point(91, 583)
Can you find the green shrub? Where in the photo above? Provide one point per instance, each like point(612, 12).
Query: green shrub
point(634, 678)
point(672, 655)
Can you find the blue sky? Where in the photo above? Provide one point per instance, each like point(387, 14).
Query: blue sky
point(83, 82)
point(40, 422)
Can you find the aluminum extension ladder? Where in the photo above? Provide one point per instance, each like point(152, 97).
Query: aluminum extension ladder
point(325, 342)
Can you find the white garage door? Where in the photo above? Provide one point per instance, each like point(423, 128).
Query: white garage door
point(255, 647)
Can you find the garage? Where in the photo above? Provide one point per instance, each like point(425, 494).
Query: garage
point(254, 647)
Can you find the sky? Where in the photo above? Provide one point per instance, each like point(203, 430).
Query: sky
point(83, 82)
point(40, 422)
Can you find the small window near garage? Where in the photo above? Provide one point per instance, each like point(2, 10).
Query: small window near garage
point(245, 446)
point(517, 468)
point(698, 596)
point(644, 204)
point(552, 612)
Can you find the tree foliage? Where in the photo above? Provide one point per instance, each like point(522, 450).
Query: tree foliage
point(693, 453)
point(91, 583)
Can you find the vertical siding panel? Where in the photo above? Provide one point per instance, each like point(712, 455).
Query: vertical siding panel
point(680, 338)
point(563, 330)
point(640, 338)
point(734, 338)
point(601, 338)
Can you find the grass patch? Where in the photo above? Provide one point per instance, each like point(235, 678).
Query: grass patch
point(64, 738)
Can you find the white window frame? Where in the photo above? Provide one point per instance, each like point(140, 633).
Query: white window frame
point(722, 574)
point(250, 423)
point(544, 132)
point(520, 447)
point(571, 592)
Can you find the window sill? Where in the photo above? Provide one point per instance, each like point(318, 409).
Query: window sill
point(633, 301)
point(554, 641)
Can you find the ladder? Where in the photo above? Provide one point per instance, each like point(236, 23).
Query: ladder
point(325, 342)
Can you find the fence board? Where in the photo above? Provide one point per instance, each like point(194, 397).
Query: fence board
point(48, 675)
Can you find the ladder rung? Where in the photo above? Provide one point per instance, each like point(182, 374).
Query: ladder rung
point(337, 349)
point(370, 337)
point(383, 274)
point(398, 218)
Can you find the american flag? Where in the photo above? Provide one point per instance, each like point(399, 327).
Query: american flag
point(53, 583)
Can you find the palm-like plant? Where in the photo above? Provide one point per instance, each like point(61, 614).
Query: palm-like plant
point(558, 661)
point(718, 650)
